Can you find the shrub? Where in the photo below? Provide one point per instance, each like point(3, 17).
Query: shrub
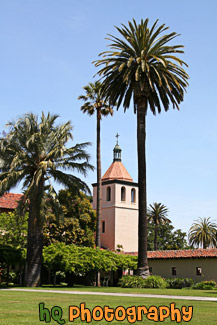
point(155, 281)
point(12, 276)
point(3, 284)
point(205, 285)
point(131, 281)
point(179, 283)
point(60, 277)
point(134, 281)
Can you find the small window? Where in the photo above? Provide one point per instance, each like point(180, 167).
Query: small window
point(103, 227)
point(174, 271)
point(133, 195)
point(198, 271)
point(108, 194)
point(150, 270)
point(123, 193)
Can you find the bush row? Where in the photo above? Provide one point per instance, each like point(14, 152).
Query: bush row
point(155, 281)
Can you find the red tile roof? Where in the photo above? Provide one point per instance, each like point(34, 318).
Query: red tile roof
point(188, 253)
point(117, 171)
point(9, 200)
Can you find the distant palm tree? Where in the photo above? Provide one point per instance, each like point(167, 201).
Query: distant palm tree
point(141, 64)
point(157, 213)
point(203, 233)
point(35, 152)
point(95, 103)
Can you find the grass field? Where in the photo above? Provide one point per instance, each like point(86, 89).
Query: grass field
point(18, 308)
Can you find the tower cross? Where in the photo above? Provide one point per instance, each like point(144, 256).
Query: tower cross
point(117, 136)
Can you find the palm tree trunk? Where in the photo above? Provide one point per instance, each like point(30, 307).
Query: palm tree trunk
point(155, 236)
point(34, 254)
point(99, 191)
point(35, 238)
point(142, 269)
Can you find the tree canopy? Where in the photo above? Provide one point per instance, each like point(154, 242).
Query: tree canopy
point(142, 64)
point(78, 223)
point(157, 213)
point(203, 232)
point(81, 260)
point(168, 237)
point(35, 152)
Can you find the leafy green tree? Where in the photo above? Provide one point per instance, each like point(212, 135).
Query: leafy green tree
point(157, 213)
point(81, 260)
point(203, 232)
point(78, 223)
point(168, 238)
point(35, 152)
point(13, 229)
point(143, 64)
point(96, 103)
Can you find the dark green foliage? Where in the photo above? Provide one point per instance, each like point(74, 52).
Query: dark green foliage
point(78, 223)
point(205, 285)
point(13, 229)
point(168, 239)
point(11, 255)
point(157, 214)
point(134, 281)
point(179, 283)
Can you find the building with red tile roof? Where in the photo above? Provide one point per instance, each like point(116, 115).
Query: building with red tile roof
point(182, 253)
point(9, 202)
point(197, 264)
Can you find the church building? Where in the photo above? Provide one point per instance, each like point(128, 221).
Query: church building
point(119, 215)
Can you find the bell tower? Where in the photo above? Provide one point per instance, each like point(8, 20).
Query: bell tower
point(119, 206)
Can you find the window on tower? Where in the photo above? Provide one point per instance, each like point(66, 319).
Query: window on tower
point(123, 193)
point(108, 193)
point(103, 227)
point(133, 195)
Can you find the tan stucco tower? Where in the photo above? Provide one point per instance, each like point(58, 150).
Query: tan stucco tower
point(119, 207)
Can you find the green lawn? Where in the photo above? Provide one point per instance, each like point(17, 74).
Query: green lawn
point(174, 292)
point(22, 307)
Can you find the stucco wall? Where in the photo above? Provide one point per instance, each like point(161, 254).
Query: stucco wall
point(120, 217)
point(186, 268)
point(126, 229)
point(108, 238)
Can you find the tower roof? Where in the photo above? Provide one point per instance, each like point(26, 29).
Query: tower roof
point(117, 171)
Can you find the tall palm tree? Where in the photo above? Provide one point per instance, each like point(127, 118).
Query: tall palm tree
point(35, 152)
point(203, 233)
point(141, 64)
point(95, 103)
point(157, 213)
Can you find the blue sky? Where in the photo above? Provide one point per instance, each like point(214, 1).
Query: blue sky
point(46, 52)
